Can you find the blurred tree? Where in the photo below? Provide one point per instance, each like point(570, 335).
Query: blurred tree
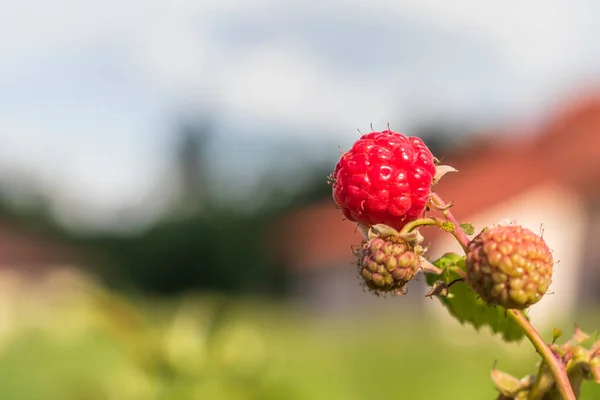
point(202, 244)
point(199, 244)
point(441, 137)
point(23, 202)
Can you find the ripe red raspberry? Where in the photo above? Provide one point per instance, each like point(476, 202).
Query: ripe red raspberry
point(385, 178)
point(509, 266)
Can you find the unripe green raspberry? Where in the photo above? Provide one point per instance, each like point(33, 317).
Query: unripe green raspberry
point(509, 266)
point(387, 263)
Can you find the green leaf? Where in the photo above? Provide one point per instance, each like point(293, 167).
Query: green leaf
point(446, 263)
point(468, 228)
point(464, 305)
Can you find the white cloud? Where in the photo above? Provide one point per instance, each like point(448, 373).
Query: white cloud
point(536, 37)
point(281, 84)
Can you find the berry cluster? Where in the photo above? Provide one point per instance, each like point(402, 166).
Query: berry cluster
point(386, 179)
point(384, 184)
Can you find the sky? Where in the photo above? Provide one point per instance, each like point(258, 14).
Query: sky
point(90, 91)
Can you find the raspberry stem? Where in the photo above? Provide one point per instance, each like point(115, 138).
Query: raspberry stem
point(421, 222)
point(556, 366)
point(458, 232)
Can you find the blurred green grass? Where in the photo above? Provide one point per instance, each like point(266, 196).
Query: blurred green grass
point(90, 344)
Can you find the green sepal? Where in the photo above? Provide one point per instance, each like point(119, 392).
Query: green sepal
point(506, 384)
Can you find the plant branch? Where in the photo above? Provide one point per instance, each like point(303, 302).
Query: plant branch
point(555, 365)
point(421, 222)
point(458, 232)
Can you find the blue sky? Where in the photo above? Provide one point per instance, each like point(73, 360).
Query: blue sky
point(89, 90)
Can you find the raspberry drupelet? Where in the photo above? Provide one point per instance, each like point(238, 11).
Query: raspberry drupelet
point(385, 178)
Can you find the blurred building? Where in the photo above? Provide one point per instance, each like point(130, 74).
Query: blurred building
point(191, 165)
point(33, 254)
point(545, 180)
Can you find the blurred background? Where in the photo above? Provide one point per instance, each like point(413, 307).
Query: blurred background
point(166, 230)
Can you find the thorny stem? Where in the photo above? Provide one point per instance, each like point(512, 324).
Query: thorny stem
point(556, 366)
point(458, 232)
